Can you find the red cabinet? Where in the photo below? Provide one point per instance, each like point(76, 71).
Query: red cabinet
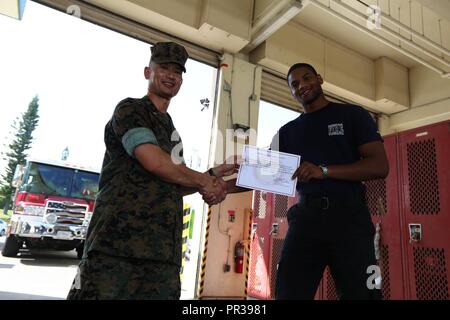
point(425, 190)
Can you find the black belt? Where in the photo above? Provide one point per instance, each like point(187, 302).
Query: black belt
point(326, 202)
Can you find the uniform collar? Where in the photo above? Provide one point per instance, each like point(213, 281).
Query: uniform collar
point(148, 103)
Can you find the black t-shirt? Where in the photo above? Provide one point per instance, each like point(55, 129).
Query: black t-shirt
point(329, 136)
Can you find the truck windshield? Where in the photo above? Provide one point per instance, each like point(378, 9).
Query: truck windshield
point(58, 181)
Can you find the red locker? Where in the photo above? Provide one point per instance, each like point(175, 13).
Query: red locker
point(425, 162)
point(270, 223)
point(411, 208)
point(259, 270)
point(328, 289)
point(383, 201)
point(279, 227)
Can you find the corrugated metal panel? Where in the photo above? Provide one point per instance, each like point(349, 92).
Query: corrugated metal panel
point(275, 89)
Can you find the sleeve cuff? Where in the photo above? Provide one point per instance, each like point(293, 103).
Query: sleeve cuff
point(137, 136)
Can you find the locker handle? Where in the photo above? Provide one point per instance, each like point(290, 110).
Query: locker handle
point(415, 232)
point(274, 229)
point(253, 232)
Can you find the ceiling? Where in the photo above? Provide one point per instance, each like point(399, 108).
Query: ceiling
point(411, 14)
point(208, 24)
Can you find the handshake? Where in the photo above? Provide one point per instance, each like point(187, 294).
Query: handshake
point(215, 189)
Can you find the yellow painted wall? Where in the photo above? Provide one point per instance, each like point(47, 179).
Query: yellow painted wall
point(10, 8)
point(346, 73)
point(391, 86)
point(286, 47)
point(217, 25)
point(348, 70)
point(427, 87)
point(232, 16)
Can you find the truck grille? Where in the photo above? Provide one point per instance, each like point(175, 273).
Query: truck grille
point(67, 212)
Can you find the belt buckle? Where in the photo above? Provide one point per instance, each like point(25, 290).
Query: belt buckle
point(325, 205)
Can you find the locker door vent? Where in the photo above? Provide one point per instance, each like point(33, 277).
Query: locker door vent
point(423, 178)
point(376, 196)
point(255, 283)
point(281, 203)
point(277, 245)
point(431, 274)
point(260, 205)
point(384, 266)
point(331, 293)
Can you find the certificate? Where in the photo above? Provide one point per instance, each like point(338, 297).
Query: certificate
point(268, 170)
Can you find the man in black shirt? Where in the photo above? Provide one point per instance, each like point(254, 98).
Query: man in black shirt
point(331, 226)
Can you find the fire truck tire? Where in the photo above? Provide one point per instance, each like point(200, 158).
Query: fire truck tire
point(11, 247)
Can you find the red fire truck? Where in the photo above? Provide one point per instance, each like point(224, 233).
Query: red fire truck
point(53, 205)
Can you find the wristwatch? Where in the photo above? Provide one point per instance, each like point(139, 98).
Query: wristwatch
point(211, 172)
point(324, 171)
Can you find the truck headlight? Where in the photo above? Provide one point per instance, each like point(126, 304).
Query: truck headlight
point(33, 210)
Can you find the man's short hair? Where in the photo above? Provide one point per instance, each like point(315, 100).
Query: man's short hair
point(300, 65)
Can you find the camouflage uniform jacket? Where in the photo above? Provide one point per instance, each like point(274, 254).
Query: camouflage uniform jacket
point(136, 214)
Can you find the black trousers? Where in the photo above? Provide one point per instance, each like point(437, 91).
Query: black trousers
point(335, 234)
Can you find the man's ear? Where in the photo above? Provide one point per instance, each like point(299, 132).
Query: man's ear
point(319, 77)
point(147, 72)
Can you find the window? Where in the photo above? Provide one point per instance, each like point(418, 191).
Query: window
point(271, 119)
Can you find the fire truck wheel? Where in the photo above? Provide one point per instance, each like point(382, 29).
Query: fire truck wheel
point(11, 247)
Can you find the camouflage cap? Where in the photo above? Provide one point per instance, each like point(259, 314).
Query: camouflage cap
point(169, 52)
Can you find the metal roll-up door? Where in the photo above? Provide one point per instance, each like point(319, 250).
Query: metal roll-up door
point(275, 89)
point(126, 26)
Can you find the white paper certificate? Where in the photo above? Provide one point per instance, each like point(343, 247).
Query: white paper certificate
point(268, 170)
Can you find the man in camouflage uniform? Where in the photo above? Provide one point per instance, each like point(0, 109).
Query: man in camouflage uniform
point(133, 245)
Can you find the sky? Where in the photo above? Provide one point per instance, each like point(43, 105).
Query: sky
point(80, 71)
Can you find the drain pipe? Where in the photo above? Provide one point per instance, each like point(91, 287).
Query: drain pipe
point(442, 73)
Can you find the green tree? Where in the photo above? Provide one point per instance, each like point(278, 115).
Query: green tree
point(17, 153)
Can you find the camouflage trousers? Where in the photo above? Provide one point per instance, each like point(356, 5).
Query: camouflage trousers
point(104, 277)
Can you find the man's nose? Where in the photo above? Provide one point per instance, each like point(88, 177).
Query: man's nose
point(301, 84)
